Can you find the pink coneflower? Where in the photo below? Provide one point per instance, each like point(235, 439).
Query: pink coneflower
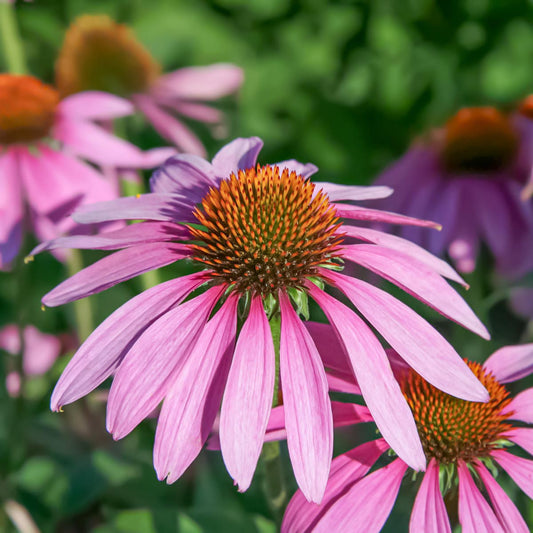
point(261, 237)
point(463, 443)
point(42, 139)
point(100, 54)
point(469, 177)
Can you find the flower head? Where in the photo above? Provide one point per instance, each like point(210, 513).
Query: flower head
point(463, 442)
point(101, 54)
point(264, 238)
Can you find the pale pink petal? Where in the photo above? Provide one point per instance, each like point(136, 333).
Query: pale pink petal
point(301, 516)
point(505, 509)
point(307, 407)
point(151, 366)
point(190, 408)
point(95, 105)
point(10, 339)
point(415, 340)
point(429, 511)
point(518, 468)
point(511, 363)
point(366, 506)
point(101, 354)
point(302, 169)
point(416, 279)
point(40, 351)
point(239, 154)
point(248, 396)
point(339, 193)
point(115, 268)
point(374, 376)
point(200, 112)
point(521, 406)
point(475, 514)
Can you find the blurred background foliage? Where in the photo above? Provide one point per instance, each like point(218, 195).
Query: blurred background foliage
point(344, 84)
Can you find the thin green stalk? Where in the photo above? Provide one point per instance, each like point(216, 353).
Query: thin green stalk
point(82, 308)
point(11, 41)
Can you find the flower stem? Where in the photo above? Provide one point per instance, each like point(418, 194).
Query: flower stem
point(11, 41)
point(82, 308)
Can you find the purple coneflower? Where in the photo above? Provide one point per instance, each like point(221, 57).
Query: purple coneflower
point(100, 54)
point(41, 142)
point(469, 176)
point(261, 237)
point(463, 443)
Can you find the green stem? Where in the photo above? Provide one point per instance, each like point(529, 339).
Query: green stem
point(82, 308)
point(11, 41)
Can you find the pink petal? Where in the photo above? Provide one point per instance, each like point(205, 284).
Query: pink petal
point(374, 376)
point(429, 511)
point(248, 396)
point(366, 506)
point(522, 406)
point(302, 169)
point(10, 339)
point(348, 468)
point(40, 351)
point(95, 105)
point(475, 514)
point(101, 354)
point(523, 437)
point(520, 469)
point(329, 346)
point(505, 509)
point(151, 366)
point(409, 248)
point(511, 363)
point(337, 193)
point(418, 343)
point(239, 154)
point(200, 112)
point(341, 382)
point(191, 406)
point(416, 279)
point(307, 407)
point(115, 268)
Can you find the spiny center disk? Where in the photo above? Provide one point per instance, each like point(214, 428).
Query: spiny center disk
point(451, 429)
point(99, 54)
point(263, 230)
point(478, 139)
point(27, 108)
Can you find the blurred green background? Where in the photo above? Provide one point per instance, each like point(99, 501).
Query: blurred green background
point(344, 84)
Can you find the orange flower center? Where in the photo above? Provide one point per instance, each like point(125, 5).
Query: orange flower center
point(478, 139)
point(452, 429)
point(99, 54)
point(263, 230)
point(27, 109)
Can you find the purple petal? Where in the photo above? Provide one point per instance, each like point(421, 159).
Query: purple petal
point(374, 376)
point(248, 396)
point(115, 268)
point(95, 105)
point(520, 469)
point(416, 279)
point(152, 364)
point(429, 511)
point(416, 341)
point(339, 193)
point(307, 407)
point(505, 509)
point(101, 354)
point(521, 406)
point(239, 154)
point(191, 406)
point(511, 363)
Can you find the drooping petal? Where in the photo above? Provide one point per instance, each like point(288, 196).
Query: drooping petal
point(308, 415)
point(511, 363)
point(367, 504)
point(238, 154)
point(523, 437)
point(338, 193)
point(101, 354)
point(505, 509)
point(115, 268)
point(415, 340)
point(522, 406)
point(152, 364)
point(475, 514)
point(416, 279)
point(190, 408)
point(95, 105)
point(329, 347)
point(520, 469)
point(248, 396)
point(301, 516)
point(374, 376)
point(429, 511)
point(201, 112)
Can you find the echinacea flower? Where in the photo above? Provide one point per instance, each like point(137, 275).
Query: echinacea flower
point(469, 177)
point(42, 142)
point(260, 236)
point(464, 443)
point(100, 54)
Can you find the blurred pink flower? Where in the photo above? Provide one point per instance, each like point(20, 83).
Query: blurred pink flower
point(100, 54)
point(460, 439)
point(260, 235)
point(469, 177)
point(42, 142)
